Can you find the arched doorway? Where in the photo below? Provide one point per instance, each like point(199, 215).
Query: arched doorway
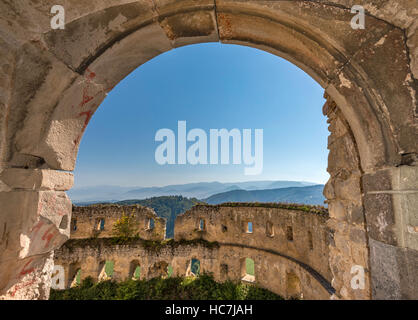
point(367, 76)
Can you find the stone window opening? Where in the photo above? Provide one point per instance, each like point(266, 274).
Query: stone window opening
point(100, 224)
point(106, 270)
point(77, 279)
point(170, 271)
point(74, 224)
point(202, 224)
point(310, 240)
point(74, 275)
point(224, 228)
point(289, 233)
point(150, 224)
point(269, 229)
point(247, 270)
point(135, 270)
point(249, 227)
point(194, 267)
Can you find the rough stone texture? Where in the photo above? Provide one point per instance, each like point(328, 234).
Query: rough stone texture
point(229, 225)
point(225, 258)
point(86, 221)
point(52, 81)
point(349, 246)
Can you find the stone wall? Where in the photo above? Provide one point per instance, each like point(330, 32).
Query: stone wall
point(348, 241)
point(224, 262)
point(52, 81)
point(86, 221)
point(221, 246)
point(272, 229)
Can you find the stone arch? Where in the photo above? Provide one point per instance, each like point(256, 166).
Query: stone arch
point(74, 274)
point(369, 74)
point(134, 270)
point(247, 269)
point(194, 267)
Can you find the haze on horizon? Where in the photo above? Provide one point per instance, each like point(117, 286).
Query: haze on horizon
point(211, 86)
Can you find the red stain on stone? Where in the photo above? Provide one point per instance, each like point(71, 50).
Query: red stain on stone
point(48, 235)
point(37, 227)
point(88, 114)
point(21, 286)
point(26, 271)
point(86, 98)
point(90, 74)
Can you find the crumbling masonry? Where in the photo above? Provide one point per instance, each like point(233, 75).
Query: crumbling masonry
point(289, 247)
point(52, 81)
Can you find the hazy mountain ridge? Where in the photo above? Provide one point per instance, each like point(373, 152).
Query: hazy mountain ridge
point(306, 195)
point(199, 190)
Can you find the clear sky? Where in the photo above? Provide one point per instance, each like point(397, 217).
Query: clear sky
point(211, 86)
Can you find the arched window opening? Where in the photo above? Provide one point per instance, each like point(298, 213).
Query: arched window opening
point(248, 270)
point(134, 270)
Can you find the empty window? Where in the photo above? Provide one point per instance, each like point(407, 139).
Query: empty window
point(247, 270)
point(77, 279)
point(170, 271)
point(100, 224)
point(224, 228)
point(201, 224)
point(289, 233)
point(269, 229)
point(195, 267)
point(135, 270)
point(74, 275)
point(310, 240)
point(74, 224)
point(150, 224)
point(249, 227)
point(105, 270)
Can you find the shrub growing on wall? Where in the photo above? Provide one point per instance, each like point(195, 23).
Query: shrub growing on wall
point(125, 227)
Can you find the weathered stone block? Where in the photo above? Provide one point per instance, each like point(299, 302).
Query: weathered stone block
point(37, 179)
point(380, 217)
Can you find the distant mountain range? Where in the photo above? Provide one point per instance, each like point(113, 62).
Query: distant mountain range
point(201, 190)
point(170, 206)
point(306, 195)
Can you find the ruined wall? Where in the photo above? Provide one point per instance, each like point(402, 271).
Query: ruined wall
point(52, 81)
point(86, 221)
point(221, 246)
point(302, 235)
point(271, 270)
point(348, 234)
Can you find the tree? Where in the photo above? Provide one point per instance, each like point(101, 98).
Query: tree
point(126, 227)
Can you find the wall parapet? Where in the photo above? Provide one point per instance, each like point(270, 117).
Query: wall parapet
point(301, 234)
point(224, 261)
point(98, 220)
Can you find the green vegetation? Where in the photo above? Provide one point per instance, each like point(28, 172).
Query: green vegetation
point(125, 227)
point(150, 245)
point(249, 266)
point(168, 207)
point(109, 268)
point(203, 287)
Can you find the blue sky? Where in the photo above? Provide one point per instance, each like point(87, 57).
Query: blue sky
point(211, 86)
